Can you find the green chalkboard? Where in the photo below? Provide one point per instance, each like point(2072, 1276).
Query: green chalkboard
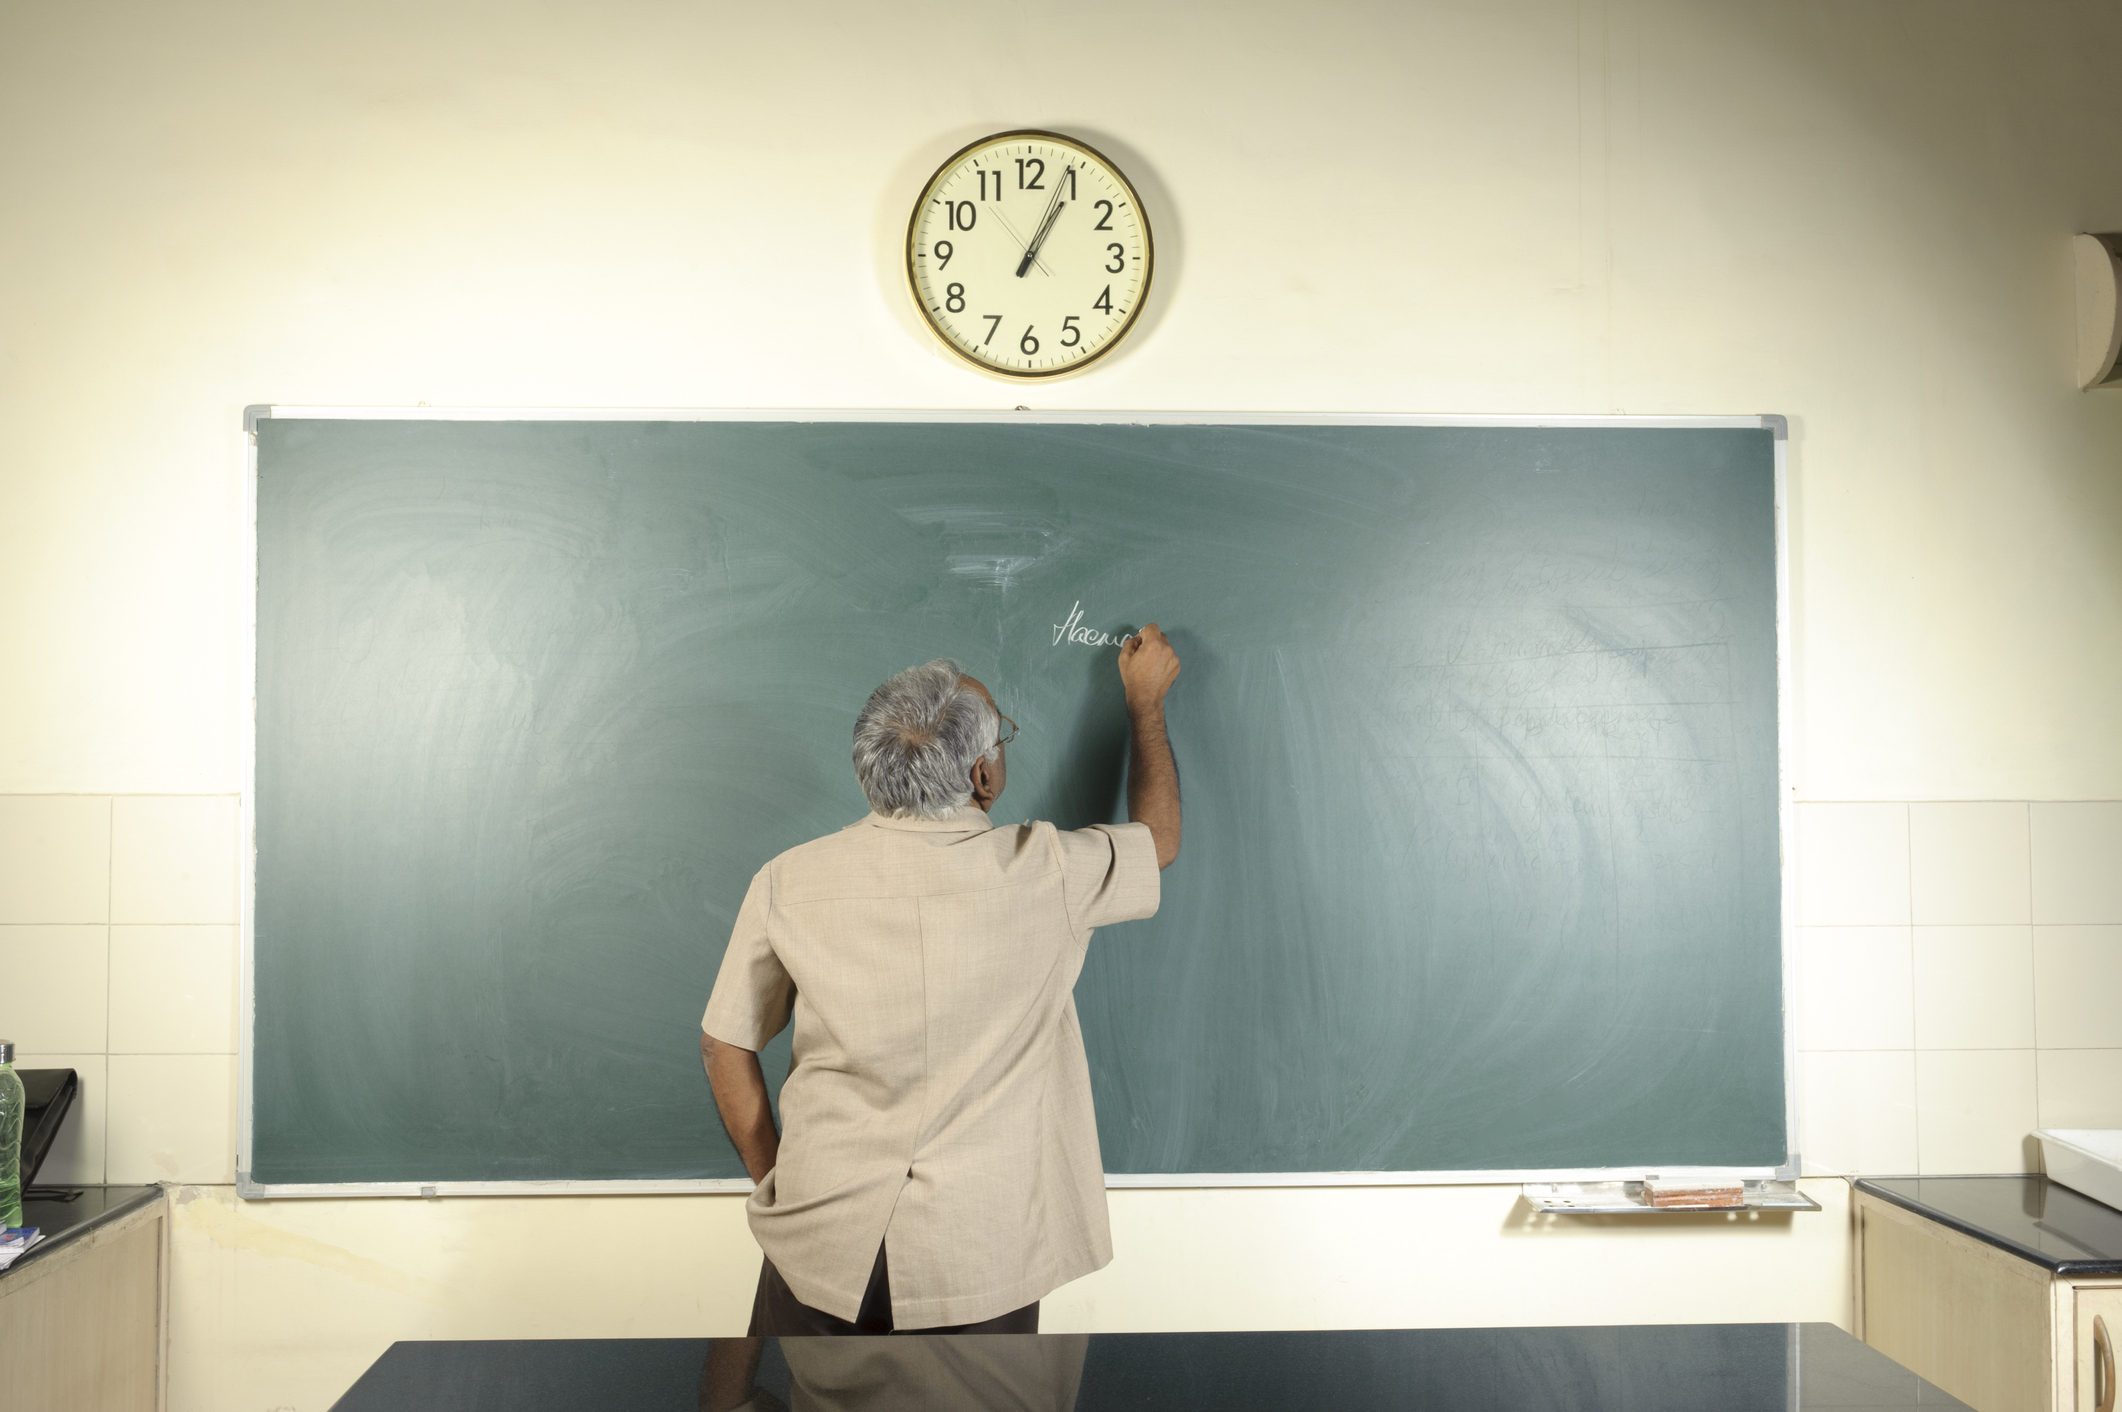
point(1477, 731)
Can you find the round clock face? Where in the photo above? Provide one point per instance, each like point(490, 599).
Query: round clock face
point(1029, 255)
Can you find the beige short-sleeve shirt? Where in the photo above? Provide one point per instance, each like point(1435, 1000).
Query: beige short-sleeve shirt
point(939, 1100)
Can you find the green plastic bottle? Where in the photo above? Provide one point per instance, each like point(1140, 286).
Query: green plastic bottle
point(11, 1106)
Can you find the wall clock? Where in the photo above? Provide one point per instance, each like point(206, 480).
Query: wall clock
point(1029, 255)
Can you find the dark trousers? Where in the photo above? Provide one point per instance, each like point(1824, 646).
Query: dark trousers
point(777, 1313)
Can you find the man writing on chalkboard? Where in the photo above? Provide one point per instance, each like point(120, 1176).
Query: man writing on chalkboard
point(940, 1169)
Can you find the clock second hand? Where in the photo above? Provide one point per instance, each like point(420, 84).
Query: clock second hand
point(1019, 239)
point(1053, 210)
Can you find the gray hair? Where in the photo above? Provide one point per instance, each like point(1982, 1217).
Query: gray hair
point(917, 738)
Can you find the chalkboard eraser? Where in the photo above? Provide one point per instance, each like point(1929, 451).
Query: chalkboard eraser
point(1694, 1192)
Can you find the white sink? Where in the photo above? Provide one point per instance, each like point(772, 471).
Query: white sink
point(2085, 1159)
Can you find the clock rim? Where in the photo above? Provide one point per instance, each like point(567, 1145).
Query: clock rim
point(1119, 335)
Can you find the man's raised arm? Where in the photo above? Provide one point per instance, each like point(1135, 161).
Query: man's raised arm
point(1148, 667)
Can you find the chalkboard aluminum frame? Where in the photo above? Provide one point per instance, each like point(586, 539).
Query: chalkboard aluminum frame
point(252, 415)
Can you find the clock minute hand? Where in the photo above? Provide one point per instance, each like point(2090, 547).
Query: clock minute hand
point(1053, 212)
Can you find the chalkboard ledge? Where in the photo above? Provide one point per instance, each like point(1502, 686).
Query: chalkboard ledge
point(1576, 1181)
point(1626, 1199)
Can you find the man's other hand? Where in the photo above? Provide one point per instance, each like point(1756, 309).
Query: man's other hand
point(739, 1086)
point(1148, 667)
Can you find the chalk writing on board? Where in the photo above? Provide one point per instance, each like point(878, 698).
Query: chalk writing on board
point(1074, 631)
point(996, 570)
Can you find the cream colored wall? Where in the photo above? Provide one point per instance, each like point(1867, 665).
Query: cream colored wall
point(283, 1304)
point(1854, 215)
point(118, 960)
point(1957, 965)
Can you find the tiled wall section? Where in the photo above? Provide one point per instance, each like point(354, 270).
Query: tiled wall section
point(1959, 981)
point(1959, 971)
point(118, 958)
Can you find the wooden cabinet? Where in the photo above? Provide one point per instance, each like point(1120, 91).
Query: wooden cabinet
point(2000, 1331)
point(2096, 1315)
point(81, 1327)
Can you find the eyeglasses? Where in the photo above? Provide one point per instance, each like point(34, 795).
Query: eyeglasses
point(1012, 730)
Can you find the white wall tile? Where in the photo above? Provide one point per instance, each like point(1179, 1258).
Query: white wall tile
point(1968, 863)
point(2081, 1088)
point(2077, 862)
point(1857, 1111)
point(1976, 1108)
point(55, 859)
point(1974, 987)
point(2078, 987)
point(173, 858)
point(172, 1118)
point(77, 1157)
point(53, 983)
point(1855, 988)
point(173, 990)
point(1852, 864)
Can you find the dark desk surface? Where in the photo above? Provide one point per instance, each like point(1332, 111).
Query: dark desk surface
point(2032, 1217)
point(1684, 1368)
point(66, 1221)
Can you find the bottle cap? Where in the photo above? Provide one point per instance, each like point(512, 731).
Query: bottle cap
point(7, 1051)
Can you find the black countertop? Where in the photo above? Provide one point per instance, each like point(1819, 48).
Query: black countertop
point(1659, 1368)
point(2032, 1217)
point(66, 1221)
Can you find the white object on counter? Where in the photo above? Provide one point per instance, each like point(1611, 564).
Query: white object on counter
point(2085, 1159)
point(15, 1241)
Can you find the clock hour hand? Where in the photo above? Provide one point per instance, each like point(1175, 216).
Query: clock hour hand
point(1053, 210)
point(1020, 240)
point(1031, 251)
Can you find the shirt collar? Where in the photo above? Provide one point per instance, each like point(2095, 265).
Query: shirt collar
point(966, 820)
